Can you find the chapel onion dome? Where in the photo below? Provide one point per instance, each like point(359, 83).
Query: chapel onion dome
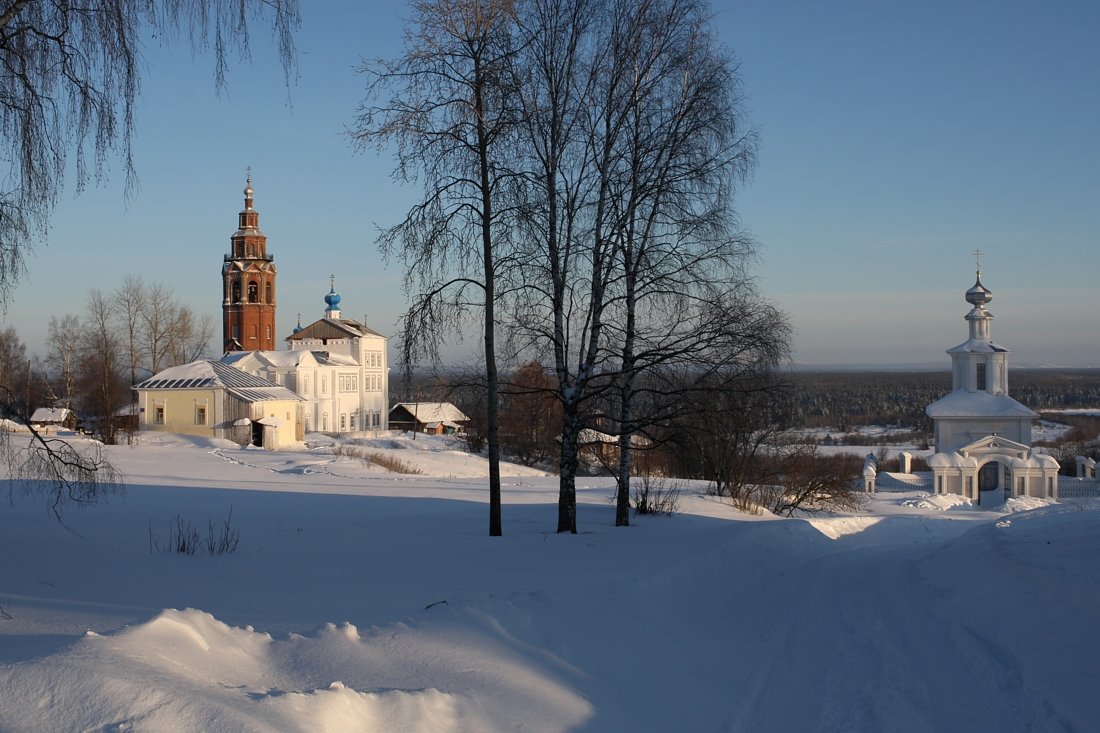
point(299, 326)
point(979, 295)
point(332, 300)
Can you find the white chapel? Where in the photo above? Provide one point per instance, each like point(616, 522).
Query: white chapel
point(982, 435)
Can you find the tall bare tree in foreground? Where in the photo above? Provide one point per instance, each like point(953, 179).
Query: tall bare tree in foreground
point(633, 142)
point(71, 76)
point(449, 115)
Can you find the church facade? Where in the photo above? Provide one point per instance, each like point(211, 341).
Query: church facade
point(983, 435)
point(337, 366)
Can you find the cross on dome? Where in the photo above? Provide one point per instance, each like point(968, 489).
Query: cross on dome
point(979, 295)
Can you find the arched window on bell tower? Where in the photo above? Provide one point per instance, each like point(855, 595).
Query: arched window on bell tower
point(253, 292)
point(269, 296)
point(236, 296)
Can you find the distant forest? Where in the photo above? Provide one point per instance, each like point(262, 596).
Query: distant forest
point(846, 400)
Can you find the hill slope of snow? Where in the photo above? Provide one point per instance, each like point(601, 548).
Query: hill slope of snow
point(359, 600)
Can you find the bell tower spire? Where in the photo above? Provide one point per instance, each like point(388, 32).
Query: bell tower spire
point(248, 284)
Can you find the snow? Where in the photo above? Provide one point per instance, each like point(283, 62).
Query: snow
point(360, 600)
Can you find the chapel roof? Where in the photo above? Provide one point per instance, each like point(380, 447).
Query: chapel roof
point(961, 403)
point(333, 328)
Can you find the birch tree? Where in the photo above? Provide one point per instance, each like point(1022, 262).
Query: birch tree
point(72, 75)
point(449, 116)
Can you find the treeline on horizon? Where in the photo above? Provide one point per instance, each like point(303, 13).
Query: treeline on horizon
point(845, 400)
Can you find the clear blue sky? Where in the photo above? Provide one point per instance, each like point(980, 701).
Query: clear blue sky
point(896, 138)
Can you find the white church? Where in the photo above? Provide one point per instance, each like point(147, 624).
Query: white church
point(336, 365)
point(983, 435)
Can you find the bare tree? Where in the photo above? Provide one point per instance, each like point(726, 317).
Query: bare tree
point(104, 387)
point(680, 291)
point(158, 321)
point(450, 118)
point(571, 117)
point(71, 77)
point(191, 337)
point(64, 344)
point(130, 304)
point(809, 482)
point(632, 141)
point(13, 356)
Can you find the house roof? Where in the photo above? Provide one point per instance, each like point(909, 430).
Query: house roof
point(51, 414)
point(207, 374)
point(433, 412)
point(333, 328)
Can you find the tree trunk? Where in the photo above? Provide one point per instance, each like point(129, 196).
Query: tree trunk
point(567, 486)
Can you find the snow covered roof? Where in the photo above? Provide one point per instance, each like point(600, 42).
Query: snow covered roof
point(976, 346)
point(961, 403)
point(588, 436)
point(433, 412)
point(51, 414)
point(277, 359)
point(329, 359)
point(207, 374)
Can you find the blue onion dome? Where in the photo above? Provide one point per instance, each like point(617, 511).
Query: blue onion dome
point(332, 300)
point(299, 326)
point(979, 295)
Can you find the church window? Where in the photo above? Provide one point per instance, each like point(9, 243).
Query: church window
point(351, 421)
point(158, 414)
point(267, 331)
point(349, 382)
point(251, 252)
point(324, 422)
point(343, 421)
point(252, 331)
point(253, 292)
point(269, 295)
point(236, 292)
point(305, 384)
point(939, 484)
point(981, 377)
point(200, 414)
point(324, 384)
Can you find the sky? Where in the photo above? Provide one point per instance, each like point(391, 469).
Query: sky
point(895, 140)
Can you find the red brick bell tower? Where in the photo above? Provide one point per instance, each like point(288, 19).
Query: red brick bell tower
point(248, 282)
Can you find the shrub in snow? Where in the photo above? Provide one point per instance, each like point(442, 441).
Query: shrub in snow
point(654, 496)
point(186, 539)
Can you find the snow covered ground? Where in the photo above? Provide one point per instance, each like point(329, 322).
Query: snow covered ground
point(359, 600)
